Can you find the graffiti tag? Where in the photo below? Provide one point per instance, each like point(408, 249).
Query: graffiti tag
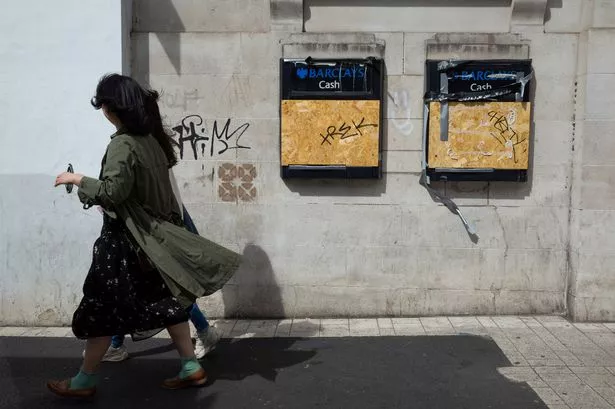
point(193, 133)
point(344, 131)
point(505, 134)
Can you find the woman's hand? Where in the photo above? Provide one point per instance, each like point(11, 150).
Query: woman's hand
point(67, 178)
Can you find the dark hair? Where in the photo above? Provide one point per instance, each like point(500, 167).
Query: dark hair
point(136, 108)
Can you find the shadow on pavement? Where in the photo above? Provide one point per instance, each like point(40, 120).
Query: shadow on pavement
point(430, 372)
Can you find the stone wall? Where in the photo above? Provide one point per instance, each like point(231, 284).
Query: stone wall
point(365, 248)
point(591, 284)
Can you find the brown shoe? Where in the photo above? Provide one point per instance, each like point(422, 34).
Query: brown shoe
point(62, 388)
point(196, 379)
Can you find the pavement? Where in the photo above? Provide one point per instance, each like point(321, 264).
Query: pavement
point(435, 362)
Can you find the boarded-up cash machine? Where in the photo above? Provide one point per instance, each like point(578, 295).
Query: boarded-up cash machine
point(478, 120)
point(331, 118)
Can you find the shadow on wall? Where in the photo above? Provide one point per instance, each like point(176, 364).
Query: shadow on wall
point(552, 4)
point(253, 291)
point(155, 12)
point(338, 187)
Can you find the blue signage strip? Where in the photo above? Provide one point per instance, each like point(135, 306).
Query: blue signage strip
point(495, 80)
point(331, 79)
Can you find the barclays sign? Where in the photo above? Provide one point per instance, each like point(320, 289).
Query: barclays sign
point(331, 73)
point(328, 77)
point(485, 75)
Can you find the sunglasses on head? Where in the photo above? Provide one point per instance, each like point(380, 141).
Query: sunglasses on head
point(69, 187)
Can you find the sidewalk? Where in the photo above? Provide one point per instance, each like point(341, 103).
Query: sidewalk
point(567, 365)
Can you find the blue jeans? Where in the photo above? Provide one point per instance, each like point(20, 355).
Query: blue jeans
point(188, 222)
point(196, 315)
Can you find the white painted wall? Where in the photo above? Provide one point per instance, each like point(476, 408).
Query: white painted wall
point(52, 54)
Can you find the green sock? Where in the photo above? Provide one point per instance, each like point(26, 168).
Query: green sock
point(189, 367)
point(83, 380)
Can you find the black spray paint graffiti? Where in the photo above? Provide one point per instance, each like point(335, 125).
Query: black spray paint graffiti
point(343, 131)
point(193, 132)
point(505, 135)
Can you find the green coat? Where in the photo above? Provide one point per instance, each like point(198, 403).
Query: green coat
point(134, 183)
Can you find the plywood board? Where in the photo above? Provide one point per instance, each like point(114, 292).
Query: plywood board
point(330, 132)
point(491, 135)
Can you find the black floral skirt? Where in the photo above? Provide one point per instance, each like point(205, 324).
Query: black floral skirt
point(119, 295)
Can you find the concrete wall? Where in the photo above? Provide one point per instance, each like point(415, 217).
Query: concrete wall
point(365, 248)
point(52, 55)
point(592, 250)
point(327, 247)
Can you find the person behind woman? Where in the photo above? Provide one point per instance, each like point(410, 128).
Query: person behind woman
point(207, 336)
point(146, 268)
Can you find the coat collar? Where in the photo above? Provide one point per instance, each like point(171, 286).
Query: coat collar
point(120, 131)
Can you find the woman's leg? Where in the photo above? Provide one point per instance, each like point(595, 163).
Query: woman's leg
point(95, 349)
point(180, 334)
point(84, 383)
point(191, 373)
point(198, 318)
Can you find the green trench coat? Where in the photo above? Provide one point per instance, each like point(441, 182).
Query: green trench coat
point(134, 184)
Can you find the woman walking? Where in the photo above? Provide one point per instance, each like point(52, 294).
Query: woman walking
point(207, 336)
point(147, 269)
